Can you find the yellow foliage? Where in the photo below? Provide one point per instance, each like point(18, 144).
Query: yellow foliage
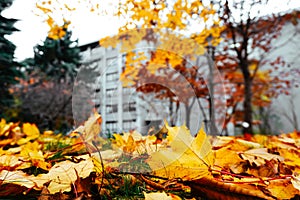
point(188, 158)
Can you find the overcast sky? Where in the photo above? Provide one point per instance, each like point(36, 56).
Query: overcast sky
point(86, 26)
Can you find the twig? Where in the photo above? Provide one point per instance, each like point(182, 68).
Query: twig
point(102, 165)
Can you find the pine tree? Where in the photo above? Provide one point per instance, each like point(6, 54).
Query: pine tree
point(9, 69)
point(58, 57)
point(47, 102)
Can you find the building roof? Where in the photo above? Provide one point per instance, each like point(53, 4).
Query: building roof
point(91, 45)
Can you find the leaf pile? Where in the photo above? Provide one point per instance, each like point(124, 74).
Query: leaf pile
point(84, 165)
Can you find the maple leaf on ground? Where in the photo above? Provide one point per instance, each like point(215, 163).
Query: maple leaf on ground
point(91, 128)
point(188, 158)
point(211, 188)
point(31, 151)
point(259, 156)
point(282, 189)
point(22, 179)
point(89, 132)
point(229, 159)
point(31, 131)
point(65, 173)
point(12, 162)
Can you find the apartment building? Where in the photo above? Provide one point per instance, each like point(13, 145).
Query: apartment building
point(122, 109)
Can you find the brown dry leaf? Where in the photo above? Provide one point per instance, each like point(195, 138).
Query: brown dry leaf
point(83, 184)
point(64, 173)
point(188, 158)
point(45, 195)
point(91, 128)
point(259, 156)
point(211, 188)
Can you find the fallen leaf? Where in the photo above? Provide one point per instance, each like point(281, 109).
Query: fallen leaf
point(31, 131)
point(160, 196)
point(63, 174)
point(282, 189)
point(23, 179)
point(188, 158)
point(91, 128)
point(296, 181)
point(259, 156)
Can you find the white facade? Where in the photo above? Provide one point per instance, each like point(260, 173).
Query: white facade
point(121, 108)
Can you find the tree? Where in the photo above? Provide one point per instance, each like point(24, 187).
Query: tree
point(46, 92)
point(161, 23)
point(248, 38)
point(9, 69)
point(58, 57)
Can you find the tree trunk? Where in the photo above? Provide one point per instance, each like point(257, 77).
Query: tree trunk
point(212, 119)
point(247, 124)
point(187, 115)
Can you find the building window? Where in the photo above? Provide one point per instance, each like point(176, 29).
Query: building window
point(127, 91)
point(129, 124)
point(112, 77)
point(129, 107)
point(112, 63)
point(111, 125)
point(110, 91)
point(111, 108)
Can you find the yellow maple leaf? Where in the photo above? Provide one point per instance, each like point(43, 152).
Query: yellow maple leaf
point(31, 152)
point(227, 158)
point(282, 189)
point(188, 158)
point(31, 131)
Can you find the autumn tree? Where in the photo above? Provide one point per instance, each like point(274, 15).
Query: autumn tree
point(161, 24)
point(9, 69)
point(248, 39)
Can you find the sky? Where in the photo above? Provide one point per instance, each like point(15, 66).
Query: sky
point(87, 27)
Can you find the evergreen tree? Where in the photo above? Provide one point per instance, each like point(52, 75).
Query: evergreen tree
point(47, 101)
point(9, 69)
point(58, 57)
